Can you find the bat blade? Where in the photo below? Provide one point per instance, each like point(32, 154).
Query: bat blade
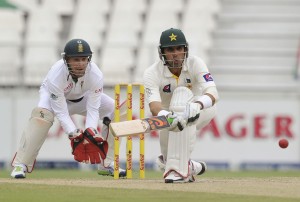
point(138, 126)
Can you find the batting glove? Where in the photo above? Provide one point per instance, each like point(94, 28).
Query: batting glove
point(177, 122)
point(192, 112)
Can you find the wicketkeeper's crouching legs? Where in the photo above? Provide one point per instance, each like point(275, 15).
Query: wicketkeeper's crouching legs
point(107, 166)
point(33, 137)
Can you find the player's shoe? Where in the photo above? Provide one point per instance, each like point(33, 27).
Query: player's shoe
point(109, 170)
point(174, 177)
point(19, 171)
point(197, 167)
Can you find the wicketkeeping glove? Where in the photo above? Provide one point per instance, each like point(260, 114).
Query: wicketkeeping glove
point(96, 148)
point(88, 147)
point(77, 145)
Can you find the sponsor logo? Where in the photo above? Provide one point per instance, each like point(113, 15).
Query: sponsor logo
point(157, 122)
point(117, 101)
point(142, 162)
point(117, 163)
point(129, 97)
point(142, 101)
point(129, 160)
point(69, 87)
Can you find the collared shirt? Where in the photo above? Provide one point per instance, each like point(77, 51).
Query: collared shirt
point(58, 87)
point(160, 82)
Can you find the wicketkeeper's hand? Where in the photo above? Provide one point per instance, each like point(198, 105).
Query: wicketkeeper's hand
point(96, 147)
point(77, 135)
point(177, 122)
point(89, 147)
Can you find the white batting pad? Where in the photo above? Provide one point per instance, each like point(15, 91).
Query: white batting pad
point(33, 137)
point(181, 96)
point(163, 140)
point(180, 144)
point(179, 150)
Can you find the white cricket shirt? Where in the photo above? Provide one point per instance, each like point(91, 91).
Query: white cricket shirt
point(160, 82)
point(58, 88)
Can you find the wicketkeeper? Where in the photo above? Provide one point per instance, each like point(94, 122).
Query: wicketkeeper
point(74, 85)
point(180, 86)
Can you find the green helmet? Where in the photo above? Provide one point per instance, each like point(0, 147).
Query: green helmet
point(172, 37)
point(77, 48)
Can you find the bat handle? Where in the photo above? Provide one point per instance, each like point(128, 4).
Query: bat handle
point(170, 120)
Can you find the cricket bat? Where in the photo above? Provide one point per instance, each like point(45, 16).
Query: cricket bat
point(138, 126)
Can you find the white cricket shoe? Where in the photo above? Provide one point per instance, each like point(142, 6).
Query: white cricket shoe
point(197, 168)
point(109, 170)
point(174, 177)
point(19, 171)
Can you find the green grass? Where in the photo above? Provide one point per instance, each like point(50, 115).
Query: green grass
point(11, 192)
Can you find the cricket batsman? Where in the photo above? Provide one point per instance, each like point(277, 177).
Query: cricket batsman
point(180, 87)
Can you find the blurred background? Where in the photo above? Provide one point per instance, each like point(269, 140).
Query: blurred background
point(251, 48)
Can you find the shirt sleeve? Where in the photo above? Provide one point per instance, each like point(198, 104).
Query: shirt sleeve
point(204, 79)
point(202, 74)
point(151, 84)
point(60, 108)
point(94, 102)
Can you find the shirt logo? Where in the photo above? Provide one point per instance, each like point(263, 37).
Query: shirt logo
point(167, 88)
point(53, 97)
point(98, 90)
point(208, 77)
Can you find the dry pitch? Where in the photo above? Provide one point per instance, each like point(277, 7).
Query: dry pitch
point(271, 186)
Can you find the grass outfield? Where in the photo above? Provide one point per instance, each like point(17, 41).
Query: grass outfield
point(74, 185)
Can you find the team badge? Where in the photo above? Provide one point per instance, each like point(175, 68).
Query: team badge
point(148, 92)
point(79, 47)
point(188, 83)
point(173, 37)
point(167, 88)
point(208, 77)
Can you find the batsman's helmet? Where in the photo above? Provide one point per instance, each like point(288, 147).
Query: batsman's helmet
point(77, 48)
point(172, 37)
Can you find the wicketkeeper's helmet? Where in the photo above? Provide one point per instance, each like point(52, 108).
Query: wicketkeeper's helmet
point(77, 48)
point(172, 37)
